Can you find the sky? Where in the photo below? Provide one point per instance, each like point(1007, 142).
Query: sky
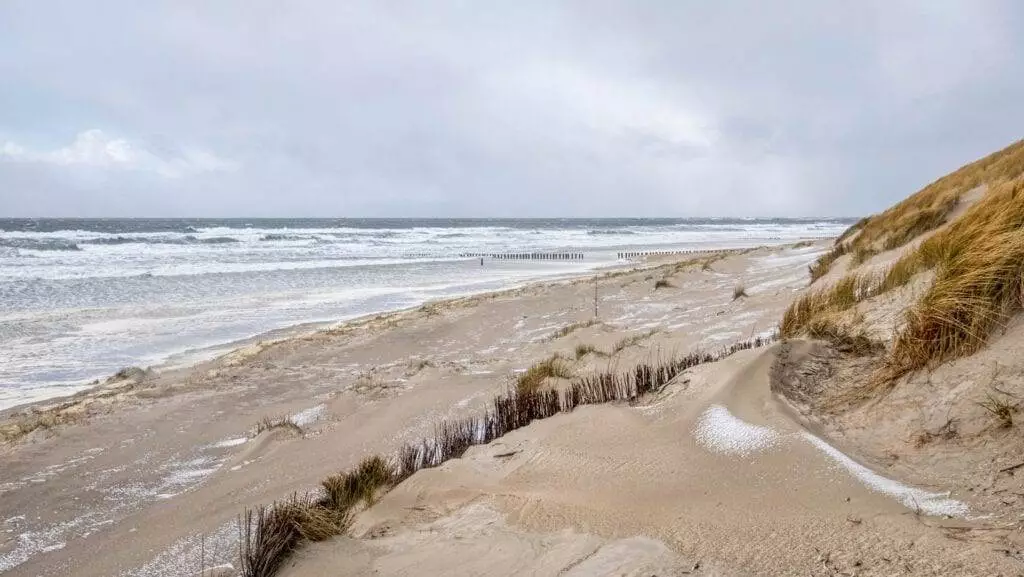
point(585, 108)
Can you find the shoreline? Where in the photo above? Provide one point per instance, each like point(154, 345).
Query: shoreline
point(192, 358)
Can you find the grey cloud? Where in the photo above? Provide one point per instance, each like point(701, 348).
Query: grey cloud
point(505, 109)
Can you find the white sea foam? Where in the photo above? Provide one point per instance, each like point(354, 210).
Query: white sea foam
point(720, 431)
point(938, 504)
point(138, 297)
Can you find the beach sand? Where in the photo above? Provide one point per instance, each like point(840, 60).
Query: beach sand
point(147, 474)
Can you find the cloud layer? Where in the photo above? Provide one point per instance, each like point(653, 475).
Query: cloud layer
point(94, 149)
point(371, 108)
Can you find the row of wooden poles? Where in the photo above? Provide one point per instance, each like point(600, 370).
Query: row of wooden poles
point(525, 255)
point(641, 254)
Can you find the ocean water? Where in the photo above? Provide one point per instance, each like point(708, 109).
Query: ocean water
point(82, 298)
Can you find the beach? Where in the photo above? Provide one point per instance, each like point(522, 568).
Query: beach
point(147, 474)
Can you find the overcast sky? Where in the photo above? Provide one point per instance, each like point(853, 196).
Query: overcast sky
point(510, 108)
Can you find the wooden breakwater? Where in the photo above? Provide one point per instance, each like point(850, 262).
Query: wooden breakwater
point(647, 253)
point(525, 255)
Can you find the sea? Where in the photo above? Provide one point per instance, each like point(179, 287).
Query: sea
point(82, 298)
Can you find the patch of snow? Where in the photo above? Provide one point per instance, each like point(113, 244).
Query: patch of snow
point(227, 443)
point(937, 504)
point(721, 432)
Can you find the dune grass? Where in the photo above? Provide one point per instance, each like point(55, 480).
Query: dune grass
point(534, 377)
point(979, 283)
point(739, 292)
point(844, 337)
point(571, 328)
point(269, 423)
point(583, 350)
point(978, 262)
point(662, 283)
point(820, 267)
point(816, 304)
point(626, 342)
point(923, 211)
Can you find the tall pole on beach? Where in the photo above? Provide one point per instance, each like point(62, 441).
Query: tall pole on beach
point(595, 299)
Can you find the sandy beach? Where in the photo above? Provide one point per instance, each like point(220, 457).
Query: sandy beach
point(147, 474)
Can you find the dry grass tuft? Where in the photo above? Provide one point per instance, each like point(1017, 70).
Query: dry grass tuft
point(1001, 409)
point(739, 292)
point(662, 283)
point(344, 490)
point(843, 337)
point(269, 423)
point(852, 230)
point(269, 535)
point(631, 340)
point(822, 302)
point(583, 350)
point(571, 328)
point(821, 266)
point(552, 367)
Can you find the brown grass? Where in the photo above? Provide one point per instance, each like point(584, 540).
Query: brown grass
point(583, 350)
point(344, 490)
point(819, 303)
point(662, 283)
point(534, 377)
point(1000, 408)
point(571, 328)
point(821, 266)
point(843, 337)
point(626, 342)
point(739, 292)
point(852, 230)
point(925, 210)
point(269, 423)
point(978, 284)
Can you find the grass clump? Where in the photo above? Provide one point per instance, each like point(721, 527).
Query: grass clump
point(631, 340)
point(662, 283)
point(979, 284)
point(739, 292)
point(269, 423)
point(268, 535)
point(822, 302)
point(843, 337)
point(571, 328)
point(821, 266)
point(361, 485)
point(852, 230)
point(1000, 408)
point(552, 367)
point(583, 350)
